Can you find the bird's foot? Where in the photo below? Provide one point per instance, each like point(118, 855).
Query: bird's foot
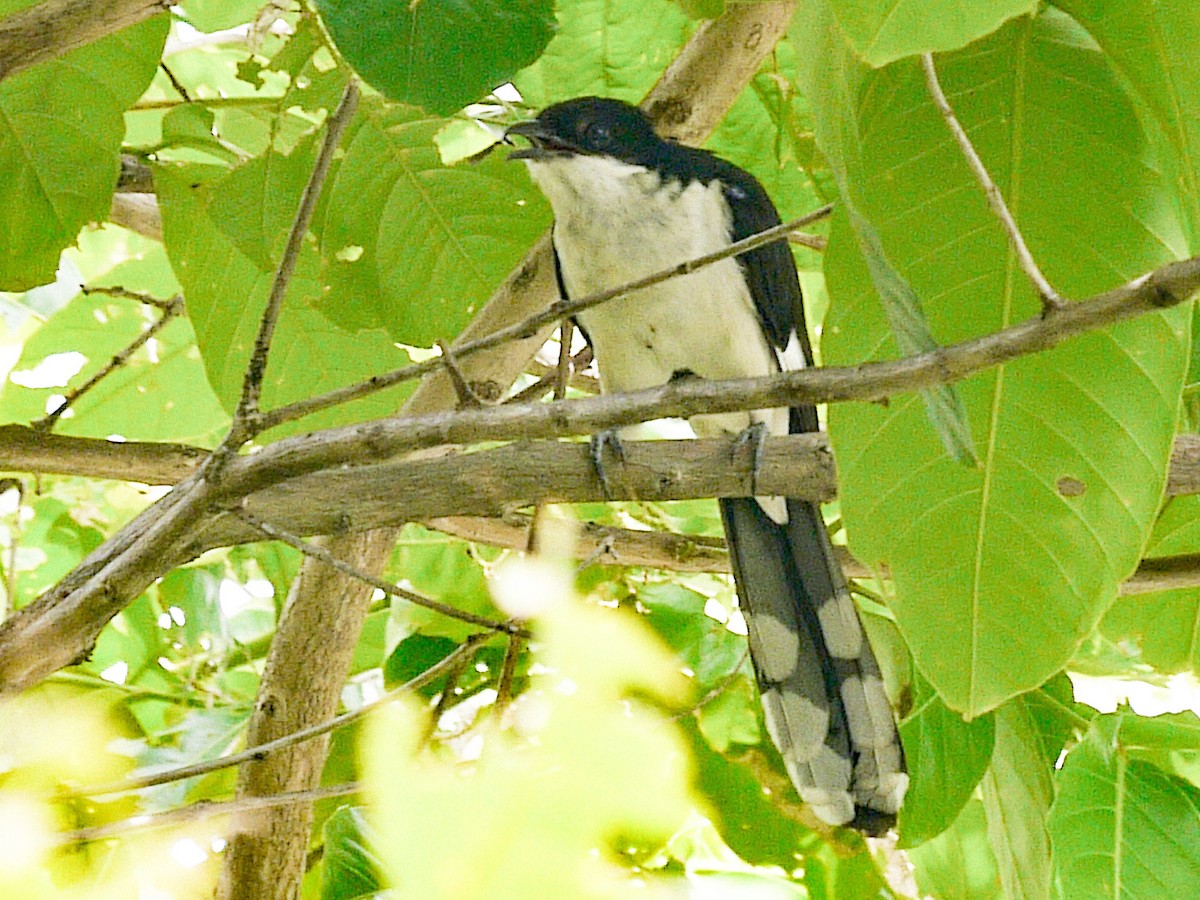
point(596, 446)
point(756, 436)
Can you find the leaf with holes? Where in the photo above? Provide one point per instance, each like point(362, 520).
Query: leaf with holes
point(61, 125)
point(414, 246)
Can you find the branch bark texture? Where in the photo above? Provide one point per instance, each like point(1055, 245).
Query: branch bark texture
point(56, 27)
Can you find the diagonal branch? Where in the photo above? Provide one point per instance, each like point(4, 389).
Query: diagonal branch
point(173, 308)
point(319, 553)
point(257, 367)
point(55, 27)
point(260, 751)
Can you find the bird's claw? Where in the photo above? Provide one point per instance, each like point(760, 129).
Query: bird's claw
point(756, 436)
point(596, 445)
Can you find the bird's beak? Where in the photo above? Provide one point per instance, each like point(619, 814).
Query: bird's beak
point(542, 144)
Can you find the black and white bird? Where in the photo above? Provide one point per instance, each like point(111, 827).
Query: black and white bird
point(627, 204)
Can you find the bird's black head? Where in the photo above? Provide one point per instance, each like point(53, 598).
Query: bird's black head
point(590, 126)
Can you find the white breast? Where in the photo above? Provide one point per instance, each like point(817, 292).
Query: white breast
point(616, 222)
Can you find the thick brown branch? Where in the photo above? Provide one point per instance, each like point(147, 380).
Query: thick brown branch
point(55, 27)
point(292, 457)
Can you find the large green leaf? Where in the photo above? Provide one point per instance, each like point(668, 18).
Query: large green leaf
point(61, 124)
point(885, 30)
point(1153, 45)
point(1017, 791)
point(1002, 571)
point(946, 757)
point(226, 291)
point(414, 246)
point(159, 394)
point(1123, 827)
point(440, 54)
point(617, 48)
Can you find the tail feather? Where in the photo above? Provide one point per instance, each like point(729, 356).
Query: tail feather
point(821, 687)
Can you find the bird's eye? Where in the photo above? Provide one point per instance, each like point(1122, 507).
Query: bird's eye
point(597, 135)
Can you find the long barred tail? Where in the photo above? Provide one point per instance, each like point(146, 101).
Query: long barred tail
point(821, 688)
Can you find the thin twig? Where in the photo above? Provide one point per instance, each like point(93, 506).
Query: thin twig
point(466, 396)
point(261, 751)
point(549, 379)
point(180, 89)
point(504, 690)
point(310, 549)
point(523, 329)
point(124, 293)
point(1050, 298)
point(453, 673)
point(47, 422)
point(257, 367)
point(816, 242)
point(206, 809)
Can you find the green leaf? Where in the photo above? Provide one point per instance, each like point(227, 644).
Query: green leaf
point(1153, 47)
point(1001, 572)
point(411, 245)
point(159, 394)
point(227, 289)
point(1169, 731)
point(885, 30)
point(910, 331)
point(748, 821)
point(1017, 791)
point(617, 48)
point(959, 862)
point(216, 15)
point(440, 54)
point(61, 125)
point(946, 757)
point(1122, 827)
point(447, 570)
point(351, 867)
point(414, 655)
point(1163, 628)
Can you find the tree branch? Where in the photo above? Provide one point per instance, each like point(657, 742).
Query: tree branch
point(261, 751)
point(291, 457)
point(56, 27)
point(207, 809)
point(320, 553)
